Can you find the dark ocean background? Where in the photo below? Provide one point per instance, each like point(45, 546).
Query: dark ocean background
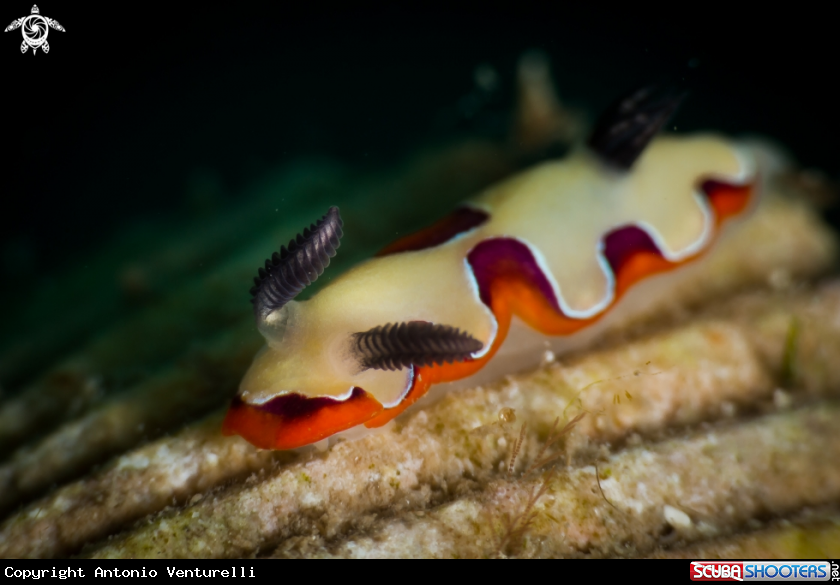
point(144, 116)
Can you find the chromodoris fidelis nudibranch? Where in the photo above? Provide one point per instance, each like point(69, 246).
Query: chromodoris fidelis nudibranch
point(553, 249)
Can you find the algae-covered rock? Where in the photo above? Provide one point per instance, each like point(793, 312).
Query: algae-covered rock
point(676, 433)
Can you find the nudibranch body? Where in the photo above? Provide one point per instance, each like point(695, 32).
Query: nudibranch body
point(556, 246)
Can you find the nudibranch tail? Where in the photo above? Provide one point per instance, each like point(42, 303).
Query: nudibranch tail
point(416, 343)
point(625, 129)
point(291, 270)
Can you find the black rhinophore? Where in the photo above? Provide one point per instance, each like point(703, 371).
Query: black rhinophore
point(291, 270)
point(420, 343)
point(625, 128)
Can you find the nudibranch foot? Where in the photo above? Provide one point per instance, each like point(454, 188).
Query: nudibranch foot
point(292, 420)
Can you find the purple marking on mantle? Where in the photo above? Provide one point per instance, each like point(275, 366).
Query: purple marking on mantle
point(621, 243)
point(463, 219)
point(294, 405)
point(507, 258)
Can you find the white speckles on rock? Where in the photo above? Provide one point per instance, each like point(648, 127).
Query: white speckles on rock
point(780, 279)
point(311, 499)
point(676, 518)
point(728, 409)
point(133, 461)
point(781, 399)
point(611, 490)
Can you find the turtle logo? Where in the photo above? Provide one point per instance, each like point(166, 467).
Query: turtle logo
point(35, 29)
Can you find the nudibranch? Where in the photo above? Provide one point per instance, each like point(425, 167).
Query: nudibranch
point(556, 247)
